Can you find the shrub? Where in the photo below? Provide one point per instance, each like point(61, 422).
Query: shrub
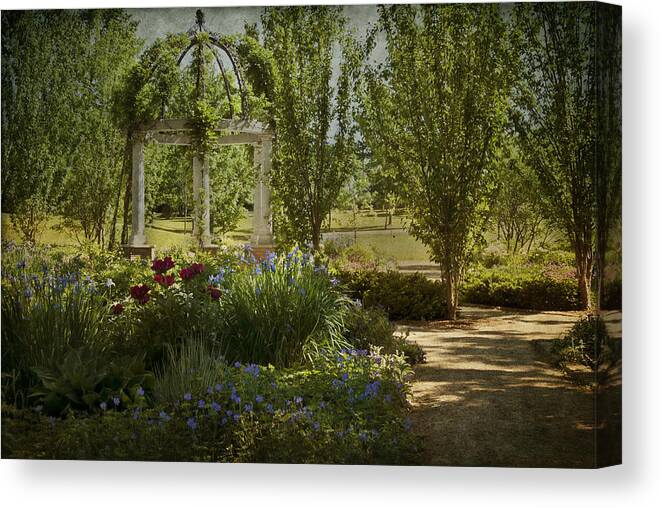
point(351, 409)
point(371, 328)
point(282, 311)
point(356, 257)
point(523, 288)
point(401, 296)
point(587, 343)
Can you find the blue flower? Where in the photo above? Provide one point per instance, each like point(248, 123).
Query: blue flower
point(337, 383)
point(28, 292)
point(298, 400)
point(252, 369)
point(215, 406)
point(237, 417)
point(201, 403)
point(219, 387)
point(334, 282)
point(116, 401)
point(140, 391)
point(187, 396)
point(21, 264)
point(103, 406)
point(136, 413)
point(248, 408)
point(316, 425)
point(259, 399)
point(235, 397)
point(164, 416)
point(209, 390)
point(192, 424)
point(345, 377)
point(258, 270)
point(322, 405)
point(237, 365)
point(363, 436)
point(269, 408)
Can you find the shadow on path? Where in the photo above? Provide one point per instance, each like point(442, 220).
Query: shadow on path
point(485, 399)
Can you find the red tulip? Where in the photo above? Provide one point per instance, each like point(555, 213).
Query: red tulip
point(164, 280)
point(214, 292)
point(162, 265)
point(140, 293)
point(117, 309)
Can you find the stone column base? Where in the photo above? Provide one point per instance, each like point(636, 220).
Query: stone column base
point(138, 251)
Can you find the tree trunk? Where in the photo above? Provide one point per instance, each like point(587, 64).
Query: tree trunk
point(451, 295)
point(584, 275)
point(126, 162)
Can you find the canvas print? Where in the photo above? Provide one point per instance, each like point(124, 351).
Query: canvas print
point(373, 234)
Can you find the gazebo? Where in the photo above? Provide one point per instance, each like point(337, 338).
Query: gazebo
point(179, 131)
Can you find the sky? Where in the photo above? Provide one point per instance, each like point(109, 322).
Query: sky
point(226, 20)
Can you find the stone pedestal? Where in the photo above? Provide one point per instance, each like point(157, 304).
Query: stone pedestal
point(138, 251)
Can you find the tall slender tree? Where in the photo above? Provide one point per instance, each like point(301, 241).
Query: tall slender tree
point(556, 115)
point(434, 110)
point(311, 108)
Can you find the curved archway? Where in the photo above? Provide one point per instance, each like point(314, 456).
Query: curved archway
point(180, 131)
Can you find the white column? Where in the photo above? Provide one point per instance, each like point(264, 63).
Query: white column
point(262, 234)
point(202, 203)
point(138, 237)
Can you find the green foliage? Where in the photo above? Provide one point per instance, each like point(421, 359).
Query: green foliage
point(367, 328)
point(60, 71)
point(557, 105)
point(44, 316)
point(539, 287)
point(29, 218)
point(355, 257)
point(351, 409)
point(435, 111)
point(402, 296)
point(308, 98)
point(587, 343)
point(192, 366)
point(284, 311)
point(84, 380)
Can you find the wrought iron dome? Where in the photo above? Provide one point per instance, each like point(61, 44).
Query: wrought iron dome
point(215, 44)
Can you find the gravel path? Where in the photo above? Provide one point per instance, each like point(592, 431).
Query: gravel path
point(485, 398)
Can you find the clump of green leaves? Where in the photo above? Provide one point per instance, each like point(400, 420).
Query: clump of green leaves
point(587, 343)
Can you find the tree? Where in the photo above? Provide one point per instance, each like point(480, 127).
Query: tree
point(311, 109)
point(516, 209)
point(555, 118)
point(60, 146)
point(607, 175)
point(434, 111)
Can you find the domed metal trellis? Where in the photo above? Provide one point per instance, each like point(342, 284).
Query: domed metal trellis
point(231, 131)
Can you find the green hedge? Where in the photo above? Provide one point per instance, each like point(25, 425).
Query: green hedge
point(522, 288)
point(402, 296)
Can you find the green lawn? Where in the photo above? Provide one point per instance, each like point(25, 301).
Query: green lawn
point(176, 232)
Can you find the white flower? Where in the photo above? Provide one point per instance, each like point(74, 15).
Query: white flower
point(110, 283)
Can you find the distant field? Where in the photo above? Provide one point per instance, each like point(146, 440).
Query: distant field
point(174, 232)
